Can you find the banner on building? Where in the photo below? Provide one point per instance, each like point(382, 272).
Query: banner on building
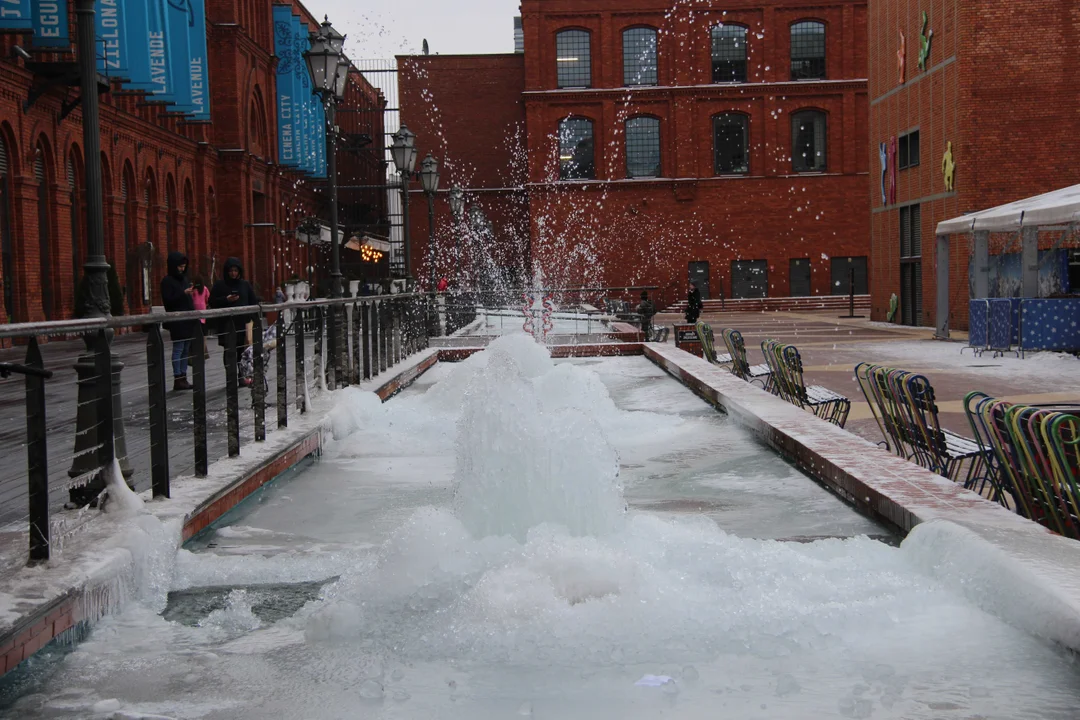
point(16, 15)
point(51, 24)
point(111, 28)
point(283, 42)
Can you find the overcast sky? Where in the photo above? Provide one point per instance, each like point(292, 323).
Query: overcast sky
point(384, 28)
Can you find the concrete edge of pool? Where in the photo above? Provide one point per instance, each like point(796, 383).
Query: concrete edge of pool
point(1036, 573)
point(61, 599)
point(903, 495)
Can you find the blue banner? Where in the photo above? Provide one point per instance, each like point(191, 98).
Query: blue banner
point(197, 63)
point(157, 36)
point(320, 139)
point(51, 24)
point(283, 42)
point(302, 100)
point(16, 15)
point(111, 24)
point(137, 33)
point(179, 21)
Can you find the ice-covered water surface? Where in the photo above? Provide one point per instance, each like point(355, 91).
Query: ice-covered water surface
point(455, 598)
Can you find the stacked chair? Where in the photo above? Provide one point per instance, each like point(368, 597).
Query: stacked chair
point(786, 368)
point(904, 407)
point(1033, 458)
point(708, 344)
point(759, 374)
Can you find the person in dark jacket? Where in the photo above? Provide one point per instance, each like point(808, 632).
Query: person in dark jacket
point(646, 310)
point(233, 291)
point(176, 296)
point(693, 303)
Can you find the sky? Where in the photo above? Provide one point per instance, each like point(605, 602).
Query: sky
point(377, 29)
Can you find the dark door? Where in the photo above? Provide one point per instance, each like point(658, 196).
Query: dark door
point(841, 275)
point(749, 279)
point(799, 277)
point(699, 273)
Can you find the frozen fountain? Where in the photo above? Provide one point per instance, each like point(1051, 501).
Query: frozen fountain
point(495, 570)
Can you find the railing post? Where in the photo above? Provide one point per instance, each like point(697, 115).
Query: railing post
point(159, 414)
point(320, 368)
point(342, 373)
point(198, 401)
point(298, 324)
point(258, 378)
point(232, 401)
point(365, 309)
point(354, 339)
point(282, 371)
point(331, 347)
point(103, 370)
point(395, 332)
point(385, 331)
point(37, 457)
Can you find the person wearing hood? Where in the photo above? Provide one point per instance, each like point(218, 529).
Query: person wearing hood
point(176, 296)
point(229, 292)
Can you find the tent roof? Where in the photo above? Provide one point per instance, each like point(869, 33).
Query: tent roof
point(1058, 207)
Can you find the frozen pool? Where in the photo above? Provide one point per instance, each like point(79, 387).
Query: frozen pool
point(514, 538)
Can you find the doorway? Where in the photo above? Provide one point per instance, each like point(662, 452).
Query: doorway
point(749, 279)
point(799, 277)
point(699, 274)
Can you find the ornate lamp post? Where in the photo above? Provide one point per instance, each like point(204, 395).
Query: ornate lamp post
point(88, 431)
point(457, 208)
point(429, 180)
point(329, 70)
point(403, 151)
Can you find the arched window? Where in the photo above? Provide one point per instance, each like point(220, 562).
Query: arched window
point(78, 224)
point(5, 233)
point(128, 196)
point(808, 50)
point(573, 59)
point(808, 139)
point(170, 215)
point(639, 56)
point(642, 147)
point(728, 53)
point(576, 150)
point(730, 142)
point(41, 175)
point(189, 204)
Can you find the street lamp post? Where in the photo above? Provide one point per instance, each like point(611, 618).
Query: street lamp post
point(91, 430)
point(429, 179)
point(403, 152)
point(329, 70)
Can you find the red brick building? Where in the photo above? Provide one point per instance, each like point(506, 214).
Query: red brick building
point(727, 141)
point(212, 190)
point(996, 82)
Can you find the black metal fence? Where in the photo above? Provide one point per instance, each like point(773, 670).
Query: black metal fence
point(104, 412)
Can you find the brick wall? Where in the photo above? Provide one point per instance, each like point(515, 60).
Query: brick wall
point(645, 231)
point(468, 111)
point(993, 86)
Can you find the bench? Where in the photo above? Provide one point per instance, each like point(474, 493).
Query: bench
point(786, 365)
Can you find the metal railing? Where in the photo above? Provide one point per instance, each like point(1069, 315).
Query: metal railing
point(312, 345)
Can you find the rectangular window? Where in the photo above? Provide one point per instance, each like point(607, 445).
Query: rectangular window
point(908, 150)
point(573, 59)
point(730, 143)
point(808, 50)
point(642, 147)
point(808, 138)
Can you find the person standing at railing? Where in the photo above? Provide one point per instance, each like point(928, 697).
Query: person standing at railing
point(229, 292)
point(177, 296)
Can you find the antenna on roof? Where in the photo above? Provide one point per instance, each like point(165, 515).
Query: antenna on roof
point(427, 51)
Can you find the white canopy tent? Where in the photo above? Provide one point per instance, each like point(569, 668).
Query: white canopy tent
point(1056, 210)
